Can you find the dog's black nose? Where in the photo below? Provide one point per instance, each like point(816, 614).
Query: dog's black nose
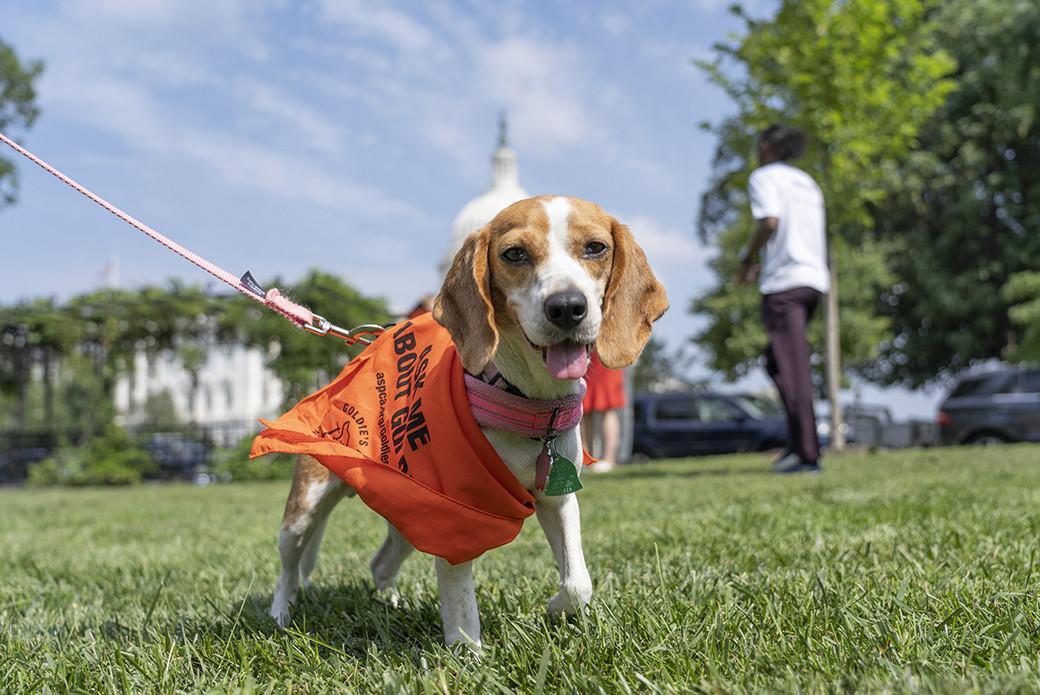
point(566, 309)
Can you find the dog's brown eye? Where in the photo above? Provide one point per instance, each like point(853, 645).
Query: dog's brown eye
point(595, 248)
point(515, 255)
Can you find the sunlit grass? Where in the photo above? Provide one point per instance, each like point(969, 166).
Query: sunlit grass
point(911, 571)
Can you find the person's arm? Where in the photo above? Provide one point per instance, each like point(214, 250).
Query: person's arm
point(748, 271)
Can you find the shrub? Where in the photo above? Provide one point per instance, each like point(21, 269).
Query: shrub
point(111, 458)
point(235, 464)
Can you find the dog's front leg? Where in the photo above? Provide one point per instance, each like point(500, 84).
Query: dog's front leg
point(458, 604)
point(561, 522)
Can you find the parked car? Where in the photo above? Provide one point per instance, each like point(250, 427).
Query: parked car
point(178, 456)
point(993, 408)
point(696, 424)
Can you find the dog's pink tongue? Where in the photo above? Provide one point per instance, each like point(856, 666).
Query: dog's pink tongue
point(567, 360)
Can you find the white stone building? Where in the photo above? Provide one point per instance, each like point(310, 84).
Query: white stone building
point(233, 388)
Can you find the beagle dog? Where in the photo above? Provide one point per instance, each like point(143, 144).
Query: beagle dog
point(529, 295)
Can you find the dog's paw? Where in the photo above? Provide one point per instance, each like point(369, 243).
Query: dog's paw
point(570, 599)
point(281, 614)
point(390, 595)
point(562, 603)
point(462, 645)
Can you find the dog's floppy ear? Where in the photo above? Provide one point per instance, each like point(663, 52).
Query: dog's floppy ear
point(633, 301)
point(464, 304)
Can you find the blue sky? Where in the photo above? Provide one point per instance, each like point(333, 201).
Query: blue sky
point(278, 135)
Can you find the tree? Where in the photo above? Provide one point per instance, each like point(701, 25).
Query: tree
point(32, 333)
point(1023, 290)
point(657, 370)
point(83, 347)
point(963, 210)
point(17, 108)
point(111, 326)
point(861, 77)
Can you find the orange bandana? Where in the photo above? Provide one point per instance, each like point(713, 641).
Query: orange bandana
point(396, 426)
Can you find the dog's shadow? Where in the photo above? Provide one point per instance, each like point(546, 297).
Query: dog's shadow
point(351, 617)
point(338, 620)
point(660, 469)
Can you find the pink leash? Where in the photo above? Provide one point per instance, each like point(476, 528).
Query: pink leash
point(300, 315)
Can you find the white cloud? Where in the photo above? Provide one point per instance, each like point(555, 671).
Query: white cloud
point(375, 19)
point(544, 86)
point(615, 23)
point(676, 257)
point(310, 126)
point(131, 12)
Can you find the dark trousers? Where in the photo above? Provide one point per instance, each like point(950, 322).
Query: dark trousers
point(786, 315)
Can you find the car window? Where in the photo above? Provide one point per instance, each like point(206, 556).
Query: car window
point(673, 411)
point(639, 411)
point(758, 407)
point(1012, 383)
point(1030, 382)
point(717, 410)
point(985, 385)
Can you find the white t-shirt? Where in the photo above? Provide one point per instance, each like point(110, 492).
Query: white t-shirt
point(796, 254)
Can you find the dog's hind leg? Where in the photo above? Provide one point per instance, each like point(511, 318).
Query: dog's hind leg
point(386, 563)
point(309, 557)
point(561, 522)
point(458, 604)
point(315, 492)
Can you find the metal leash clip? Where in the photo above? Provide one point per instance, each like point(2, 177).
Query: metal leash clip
point(364, 334)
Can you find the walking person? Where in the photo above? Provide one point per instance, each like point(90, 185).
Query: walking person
point(789, 239)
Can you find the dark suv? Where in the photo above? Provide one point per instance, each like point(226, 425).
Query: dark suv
point(695, 424)
point(992, 408)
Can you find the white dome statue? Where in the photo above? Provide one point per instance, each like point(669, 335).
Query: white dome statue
point(505, 189)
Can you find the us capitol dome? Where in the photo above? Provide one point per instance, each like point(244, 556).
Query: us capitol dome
point(505, 189)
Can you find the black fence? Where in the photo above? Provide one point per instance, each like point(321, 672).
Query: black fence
point(18, 450)
point(179, 455)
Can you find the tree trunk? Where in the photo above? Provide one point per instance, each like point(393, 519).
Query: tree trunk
point(48, 388)
point(833, 357)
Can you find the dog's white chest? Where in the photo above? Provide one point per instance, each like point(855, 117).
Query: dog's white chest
point(520, 454)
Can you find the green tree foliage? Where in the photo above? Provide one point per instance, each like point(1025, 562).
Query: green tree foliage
point(657, 370)
point(859, 76)
point(1023, 290)
point(17, 108)
point(32, 333)
point(963, 210)
point(83, 346)
point(110, 326)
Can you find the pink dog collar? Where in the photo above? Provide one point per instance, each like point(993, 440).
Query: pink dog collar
point(493, 407)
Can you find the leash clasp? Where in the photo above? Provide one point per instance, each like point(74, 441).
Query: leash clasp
point(364, 334)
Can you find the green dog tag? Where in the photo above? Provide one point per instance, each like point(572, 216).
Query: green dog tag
point(563, 478)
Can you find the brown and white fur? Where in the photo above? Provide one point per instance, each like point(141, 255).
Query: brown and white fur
point(532, 292)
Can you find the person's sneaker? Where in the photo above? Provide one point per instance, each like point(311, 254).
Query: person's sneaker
point(786, 463)
point(793, 463)
point(806, 467)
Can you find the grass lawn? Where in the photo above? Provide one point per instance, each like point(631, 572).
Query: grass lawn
point(907, 571)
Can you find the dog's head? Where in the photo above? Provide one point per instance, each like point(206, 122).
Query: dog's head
point(556, 275)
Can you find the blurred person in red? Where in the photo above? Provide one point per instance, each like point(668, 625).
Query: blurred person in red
point(604, 397)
